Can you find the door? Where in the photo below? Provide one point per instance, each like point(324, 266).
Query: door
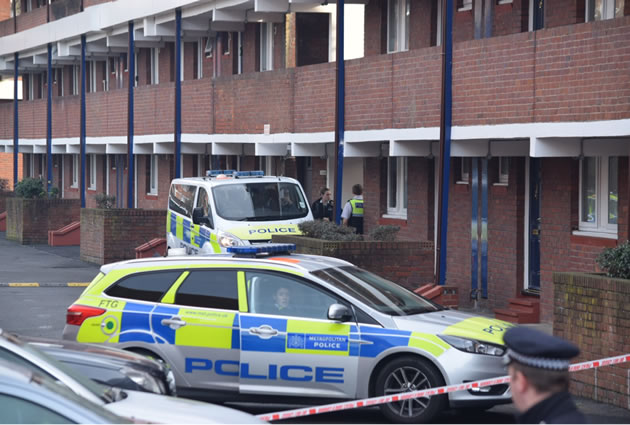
point(539, 14)
point(533, 283)
point(288, 345)
point(204, 318)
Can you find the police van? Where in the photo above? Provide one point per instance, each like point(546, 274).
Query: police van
point(232, 208)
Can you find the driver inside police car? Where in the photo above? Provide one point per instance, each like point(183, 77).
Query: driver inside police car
point(281, 300)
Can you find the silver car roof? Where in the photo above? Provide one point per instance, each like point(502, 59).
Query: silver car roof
point(213, 181)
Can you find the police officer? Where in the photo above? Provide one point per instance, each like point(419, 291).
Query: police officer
point(352, 213)
point(538, 365)
point(323, 207)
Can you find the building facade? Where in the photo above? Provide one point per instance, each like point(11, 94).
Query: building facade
point(541, 115)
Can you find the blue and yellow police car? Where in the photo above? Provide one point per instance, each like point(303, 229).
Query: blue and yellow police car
point(262, 324)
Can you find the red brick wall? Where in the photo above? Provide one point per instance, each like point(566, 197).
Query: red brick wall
point(562, 12)
point(511, 18)
point(29, 220)
point(375, 26)
point(164, 180)
point(113, 235)
point(5, 9)
point(314, 101)
point(6, 168)
point(32, 18)
point(591, 311)
point(317, 180)
point(6, 27)
point(250, 47)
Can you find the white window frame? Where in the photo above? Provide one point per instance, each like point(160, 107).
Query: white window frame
point(266, 28)
point(92, 77)
point(75, 171)
point(398, 210)
point(209, 47)
point(239, 53)
point(76, 79)
point(200, 56)
point(601, 225)
point(464, 171)
point(92, 159)
point(504, 170)
point(608, 10)
point(60, 81)
point(153, 176)
point(466, 5)
point(403, 7)
point(135, 68)
point(43, 80)
point(155, 65)
point(181, 60)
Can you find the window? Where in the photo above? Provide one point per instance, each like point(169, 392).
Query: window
point(92, 171)
point(59, 81)
point(398, 25)
point(76, 79)
point(31, 87)
point(226, 42)
point(504, 170)
point(198, 65)
point(91, 69)
point(202, 201)
point(397, 186)
point(208, 47)
point(463, 171)
point(135, 69)
point(599, 194)
point(20, 411)
point(463, 5)
point(181, 198)
point(75, 170)
point(209, 289)
point(266, 46)
point(279, 294)
point(42, 86)
point(239, 53)
point(597, 10)
point(144, 286)
point(155, 65)
point(152, 175)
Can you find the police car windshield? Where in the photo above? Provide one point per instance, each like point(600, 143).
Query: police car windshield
point(376, 292)
point(259, 201)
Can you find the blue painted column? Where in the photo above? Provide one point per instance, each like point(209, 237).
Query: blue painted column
point(178, 92)
point(49, 124)
point(445, 136)
point(340, 110)
point(16, 132)
point(132, 82)
point(82, 129)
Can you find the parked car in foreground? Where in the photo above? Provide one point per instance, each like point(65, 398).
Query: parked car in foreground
point(110, 366)
point(263, 324)
point(134, 405)
point(29, 397)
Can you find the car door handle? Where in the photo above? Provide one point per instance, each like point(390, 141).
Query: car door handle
point(173, 323)
point(264, 331)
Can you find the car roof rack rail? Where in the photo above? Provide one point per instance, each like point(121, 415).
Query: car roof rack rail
point(262, 249)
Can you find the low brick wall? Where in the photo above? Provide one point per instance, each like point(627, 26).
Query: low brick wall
point(3, 200)
point(593, 311)
point(109, 235)
point(29, 220)
point(408, 263)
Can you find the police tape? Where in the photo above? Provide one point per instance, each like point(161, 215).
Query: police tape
point(374, 401)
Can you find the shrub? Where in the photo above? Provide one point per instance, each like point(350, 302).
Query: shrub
point(4, 185)
point(616, 261)
point(384, 233)
point(329, 231)
point(30, 188)
point(105, 201)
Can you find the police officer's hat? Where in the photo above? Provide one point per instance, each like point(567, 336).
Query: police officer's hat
point(538, 349)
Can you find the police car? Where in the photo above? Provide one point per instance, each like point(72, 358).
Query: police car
point(228, 208)
point(262, 324)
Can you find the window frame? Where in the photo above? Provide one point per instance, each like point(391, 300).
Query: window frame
point(503, 178)
point(465, 5)
point(267, 63)
point(153, 175)
point(608, 10)
point(182, 285)
point(402, 170)
point(92, 173)
point(155, 65)
point(75, 171)
point(76, 79)
point(602, 176)
point(403, 25)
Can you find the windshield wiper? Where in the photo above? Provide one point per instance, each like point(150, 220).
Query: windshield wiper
point(260, 218)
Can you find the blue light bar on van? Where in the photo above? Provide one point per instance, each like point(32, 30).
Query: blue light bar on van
point(268, 248)
point(214, 173)
point(256, 173)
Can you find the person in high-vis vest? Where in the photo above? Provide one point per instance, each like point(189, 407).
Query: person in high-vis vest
point(352, 213)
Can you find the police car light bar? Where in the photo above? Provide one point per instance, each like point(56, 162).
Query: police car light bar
point(215, 173)
point(269, 248)
point(256, 173)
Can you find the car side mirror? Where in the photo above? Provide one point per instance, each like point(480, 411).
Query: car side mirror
point(199, 218)
point(339, 313)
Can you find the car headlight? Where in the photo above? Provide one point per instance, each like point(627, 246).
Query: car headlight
point(473, 346)
point(145, 381)
point(227, 240)
point(170, 379)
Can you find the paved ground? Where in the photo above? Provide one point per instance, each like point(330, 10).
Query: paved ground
point(59, 266)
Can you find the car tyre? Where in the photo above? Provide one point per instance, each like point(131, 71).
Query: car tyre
point(407, 374)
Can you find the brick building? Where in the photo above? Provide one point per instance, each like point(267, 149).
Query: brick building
point(541, 115)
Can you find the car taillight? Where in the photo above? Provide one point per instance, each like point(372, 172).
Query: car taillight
point(78, 313)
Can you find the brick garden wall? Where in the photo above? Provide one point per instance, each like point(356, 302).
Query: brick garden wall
point(29, 220)
point(592, 312)
point(6, 169)
point(113, 235)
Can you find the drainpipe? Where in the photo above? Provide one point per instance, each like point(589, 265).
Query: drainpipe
point(16, 142)
point(82, 129)
point(49, 124)
point(178, 92)
point(132, 82)
point(339, 111)
point(445, 137)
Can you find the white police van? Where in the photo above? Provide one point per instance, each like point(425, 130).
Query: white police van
point(232, 208)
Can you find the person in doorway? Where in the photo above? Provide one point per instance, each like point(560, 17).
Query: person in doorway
point(352, 214)
point(538, 365)
point(323, 207)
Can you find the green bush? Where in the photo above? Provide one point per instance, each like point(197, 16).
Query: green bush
point(4, 185)
point(30, 188)
point(616, 261)
point(384, 233)
point(327, 230)
point(105, 201)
